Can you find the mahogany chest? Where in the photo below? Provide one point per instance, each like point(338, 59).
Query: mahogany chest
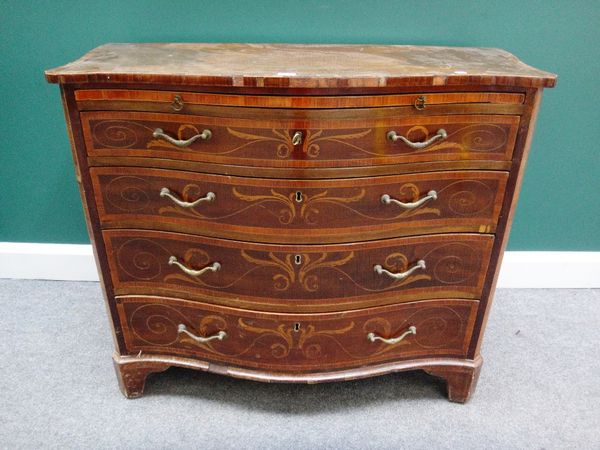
point(299, 213)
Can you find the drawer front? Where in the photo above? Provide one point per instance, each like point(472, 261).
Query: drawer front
point(329, 138)
point(300, 277)
point(189, 102)
point(292, 342)
point(298, 211)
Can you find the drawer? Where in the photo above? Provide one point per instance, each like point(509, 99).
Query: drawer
point(298, 211)
point(300, 138)
point(292, 342)
point(193, 102)
point(299, 277)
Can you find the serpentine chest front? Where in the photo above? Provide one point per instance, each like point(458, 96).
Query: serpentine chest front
point(337, 216)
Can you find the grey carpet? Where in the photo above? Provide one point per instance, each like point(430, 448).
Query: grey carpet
point(539, 387)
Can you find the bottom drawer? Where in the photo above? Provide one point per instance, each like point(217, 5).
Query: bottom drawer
point(296, 342)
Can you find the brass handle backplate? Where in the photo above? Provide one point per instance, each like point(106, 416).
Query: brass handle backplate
point(400, 275)
point(440, 135)
point(160, 134)
point(386, 200)
point(214, 267)
point(373, 337)
point(181, 328)
point(209, 197)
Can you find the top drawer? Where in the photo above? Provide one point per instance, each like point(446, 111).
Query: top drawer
point(190, 102)
point(301, 138)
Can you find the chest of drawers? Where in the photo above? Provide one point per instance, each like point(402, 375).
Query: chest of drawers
point(299, 213)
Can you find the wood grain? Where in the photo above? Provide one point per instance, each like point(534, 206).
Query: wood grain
point(132, 376)
point(296, 342)
point(78, 152)
point(338, 91)
point(437, 366)
point(270, 277)
point(461, 380)
point(88, 97)
point(298, 65)
point(299, 172)
point(359, 140)
point(298, 228)
point(296, 210)
point(519, 163)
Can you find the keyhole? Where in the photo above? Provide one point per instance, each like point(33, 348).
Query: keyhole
point(296, 326)
point(298, 196)
point(298, 259)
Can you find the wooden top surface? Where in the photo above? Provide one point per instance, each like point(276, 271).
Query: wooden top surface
point(299, 66)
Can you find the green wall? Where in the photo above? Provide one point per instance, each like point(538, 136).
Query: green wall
point(560, 202)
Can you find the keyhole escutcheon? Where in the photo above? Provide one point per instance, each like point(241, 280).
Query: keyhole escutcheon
point(297, 138)
point(177, 104)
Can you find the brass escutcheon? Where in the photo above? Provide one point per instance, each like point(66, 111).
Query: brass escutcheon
point(420, 102)
point(177, 104)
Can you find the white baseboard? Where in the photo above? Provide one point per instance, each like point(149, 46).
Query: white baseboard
point(519, 269)
point(47, 262)
point(550, 270)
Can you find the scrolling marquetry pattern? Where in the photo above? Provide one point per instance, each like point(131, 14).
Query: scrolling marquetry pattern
point(318, 274)
point(310, 146)
point(308, 207)
point(317, 143)
point(263, 206)
point(440, 328)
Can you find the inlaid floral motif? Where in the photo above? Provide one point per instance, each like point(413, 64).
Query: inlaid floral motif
point(305, 273)
point(305, 276)
point(436, 327)
point(474, 137)
point(310, 146)
point(480, 137)
point(286, 214)
point(466, 198)
point(288, 341)
point(451, 263)
point(305, 342)
point(306, 210)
